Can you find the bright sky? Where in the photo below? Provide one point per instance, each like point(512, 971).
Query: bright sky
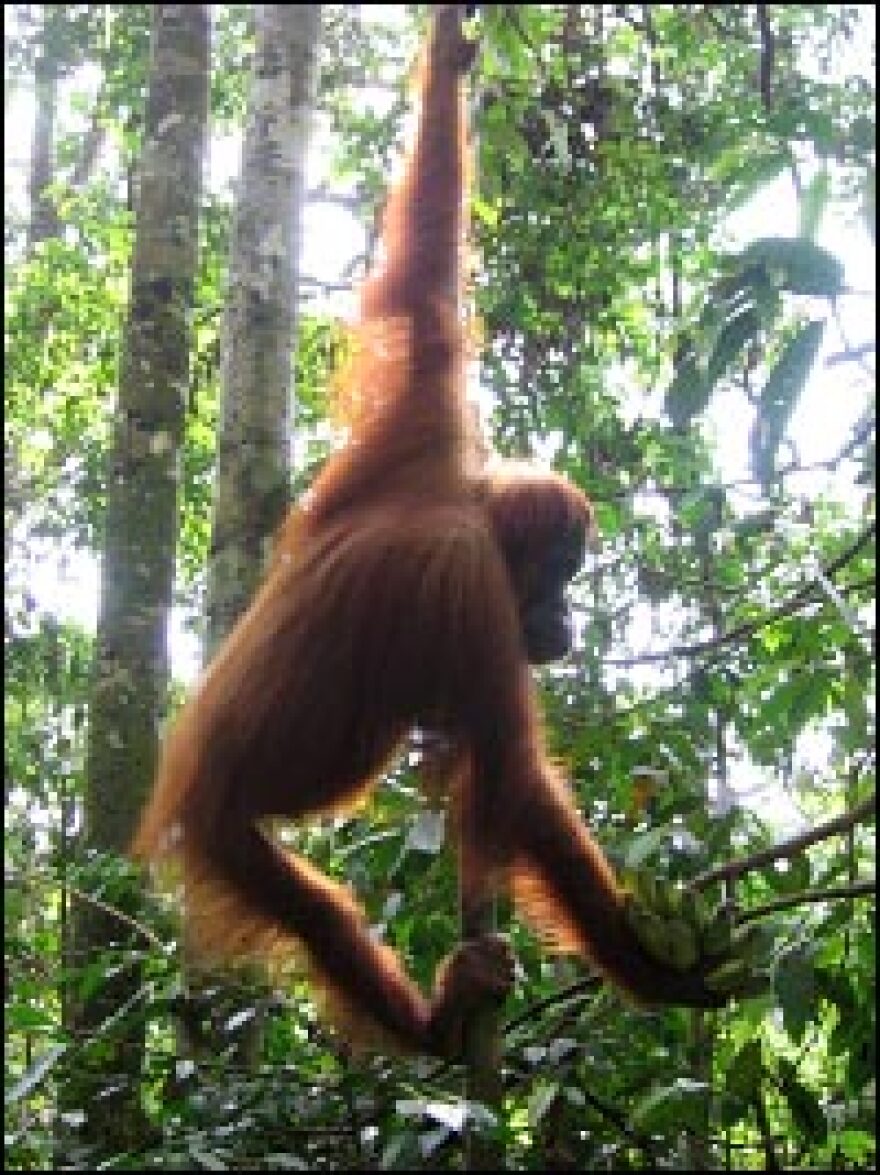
point(829, 406)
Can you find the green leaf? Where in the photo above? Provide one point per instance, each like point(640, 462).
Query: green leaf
point(813, 203)
point(681, 1105)
point(485, 212)
point(779, 397)
point(33, 1016)
point(542, 1098)
point(743, 1076)
point(743, 175)
point(608, 520)
point(803, 1103)
point(646, 845)
point(834, 986)
point(741, 328)
point(790, 876)
point(688, 394)
point(859, 1147)
point(795, 984)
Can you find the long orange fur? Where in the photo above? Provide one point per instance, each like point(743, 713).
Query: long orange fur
point(391, 602)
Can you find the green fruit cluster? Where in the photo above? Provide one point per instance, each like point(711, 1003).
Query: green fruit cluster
point(681, 929)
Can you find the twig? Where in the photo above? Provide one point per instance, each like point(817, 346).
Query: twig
point(578, 988)
point(853, 355)
point(851, 352)
point(118, 914)
point(792, 469)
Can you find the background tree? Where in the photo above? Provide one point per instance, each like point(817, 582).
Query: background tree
point(137, 570)
point(259, 337)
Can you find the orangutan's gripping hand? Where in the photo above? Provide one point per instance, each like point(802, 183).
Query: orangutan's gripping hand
point(479, 969)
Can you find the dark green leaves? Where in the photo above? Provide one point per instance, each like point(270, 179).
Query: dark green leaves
point(802, 1102)
point(680, 1105)
point(688, 394)
point(779, 397)
point(742, 313)
point(743, 1075)
point(795, 986)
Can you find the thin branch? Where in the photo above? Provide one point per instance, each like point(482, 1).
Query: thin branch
point(513, 17)
point(725, 31)
point(748, 628)
point(787, 848)
point(844, 609)
point(853, 355)
point(352, 202)
point(855, 889)
point(793, 469)
point(120, 916)
point(325, 287)
point(580, 987)
point(861, 431)
point(849, 351)
point(144, 931)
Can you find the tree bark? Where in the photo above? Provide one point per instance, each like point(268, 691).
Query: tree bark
point(43, 220)
point(130, 674)
point(253, 463)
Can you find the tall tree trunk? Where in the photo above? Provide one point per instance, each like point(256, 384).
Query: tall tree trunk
point(252, 489)
point(42, 223)
point(42, 220)
point(253, 465)
point(138, 561)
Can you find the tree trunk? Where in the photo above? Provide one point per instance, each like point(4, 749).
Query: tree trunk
point(253, 467)
point(138, 564)
point(42, 220)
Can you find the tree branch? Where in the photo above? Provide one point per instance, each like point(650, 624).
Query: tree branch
point(787, 849)
point(808, 897)
point(750, 627)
